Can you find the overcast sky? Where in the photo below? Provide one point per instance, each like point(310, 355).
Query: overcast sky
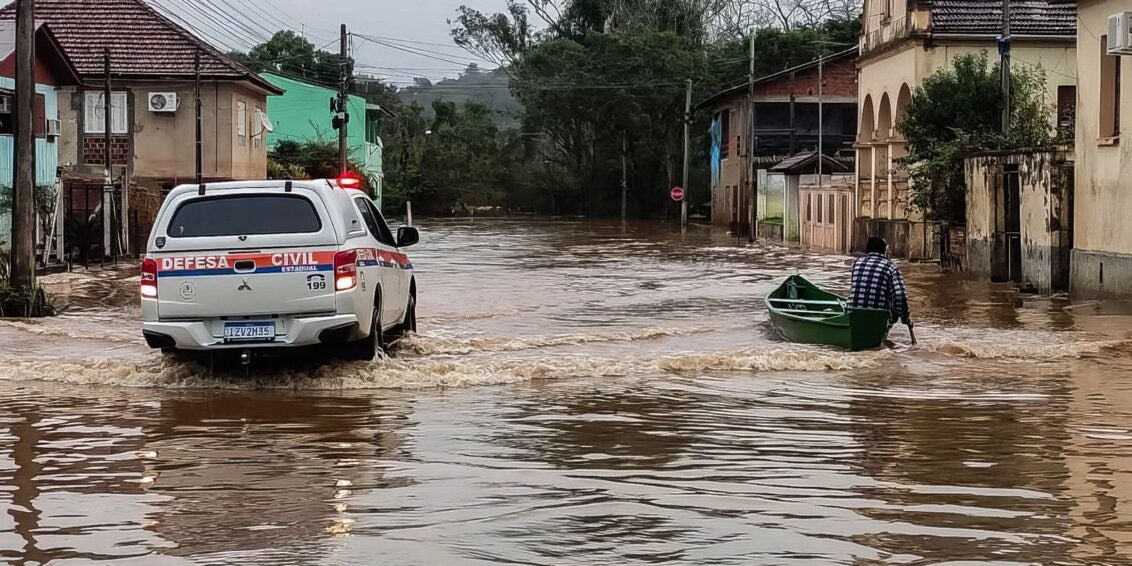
point(396, 22)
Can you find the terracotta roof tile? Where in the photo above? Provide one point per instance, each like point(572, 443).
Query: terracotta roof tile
point(142, 42)
point(1027, 17)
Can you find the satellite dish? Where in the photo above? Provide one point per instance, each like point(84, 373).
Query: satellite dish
point(265, 122)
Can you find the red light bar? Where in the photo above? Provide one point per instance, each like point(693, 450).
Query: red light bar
point(349, 181)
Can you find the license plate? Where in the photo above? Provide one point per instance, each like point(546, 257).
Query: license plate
point(249, 331)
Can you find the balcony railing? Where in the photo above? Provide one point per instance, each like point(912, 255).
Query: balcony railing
point(890, 31)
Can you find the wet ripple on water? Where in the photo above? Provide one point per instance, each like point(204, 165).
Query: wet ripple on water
point(641, 413)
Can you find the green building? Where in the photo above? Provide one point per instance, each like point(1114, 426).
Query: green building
point(303, 113)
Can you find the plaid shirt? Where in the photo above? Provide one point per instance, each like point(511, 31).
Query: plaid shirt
point(878, 284)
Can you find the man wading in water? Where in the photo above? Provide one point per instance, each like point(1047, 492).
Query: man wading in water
point(877, 284)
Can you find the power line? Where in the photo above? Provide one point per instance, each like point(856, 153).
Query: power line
point(297, 21)
point(415, 42)
point(243, 16)
point(196, 27)
point(417, 52)
point(219, 27)
point(382, 40)
point(283, 26)
point(204, 13)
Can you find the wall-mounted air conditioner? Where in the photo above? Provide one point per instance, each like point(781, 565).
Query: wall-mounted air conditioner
point(53, 127)
point(1120, 34)
point(162, 102)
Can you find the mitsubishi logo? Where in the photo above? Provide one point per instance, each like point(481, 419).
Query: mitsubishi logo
point(244, 286)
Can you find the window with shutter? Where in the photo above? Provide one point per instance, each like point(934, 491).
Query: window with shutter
point(257, 128)
point(242, 122)
point(93, 118)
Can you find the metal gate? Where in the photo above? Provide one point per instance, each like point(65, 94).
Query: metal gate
point(93, 233)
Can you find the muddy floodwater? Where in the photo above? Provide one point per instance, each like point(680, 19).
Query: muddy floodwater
point(581, 393)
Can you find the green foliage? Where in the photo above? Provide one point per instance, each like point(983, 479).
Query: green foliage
point(44, 199)
point(281, 170)
point(606, 73)
point(958, 112)
point(290, 54)
point(25, 302)
point(460, 158)
point(309, 159)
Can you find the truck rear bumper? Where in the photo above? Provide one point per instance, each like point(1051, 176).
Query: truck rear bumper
point(195, 335)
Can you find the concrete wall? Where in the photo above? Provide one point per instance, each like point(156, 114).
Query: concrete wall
point(1044, 180)
point(732, 167)
point(792, 203)
point(1102, 231)
point(771, 190)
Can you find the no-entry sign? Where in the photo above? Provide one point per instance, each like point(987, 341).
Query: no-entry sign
point(677, 194)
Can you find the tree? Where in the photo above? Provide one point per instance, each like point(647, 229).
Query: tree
point(607, 70)
point(309, 159)
point(290, 54)
point(958, 112)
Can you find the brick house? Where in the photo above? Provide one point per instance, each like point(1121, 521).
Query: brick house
point(152, 139)
point(785, 124)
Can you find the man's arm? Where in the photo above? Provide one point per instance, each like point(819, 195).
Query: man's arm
point(900, 296)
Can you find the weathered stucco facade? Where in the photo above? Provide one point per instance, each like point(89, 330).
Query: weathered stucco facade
point(904, 43)
point(1018, 221)
point(1102, 258)
point(162, 144)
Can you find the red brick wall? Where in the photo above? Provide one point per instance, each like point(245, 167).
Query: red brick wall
point(94, 148)
point(840, 80)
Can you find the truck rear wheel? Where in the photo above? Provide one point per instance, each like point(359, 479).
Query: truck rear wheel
point(367, 348)
point(409, 326)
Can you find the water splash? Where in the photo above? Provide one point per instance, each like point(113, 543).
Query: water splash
point(434, 344)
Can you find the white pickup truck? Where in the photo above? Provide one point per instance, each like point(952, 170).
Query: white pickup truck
point(261, 264)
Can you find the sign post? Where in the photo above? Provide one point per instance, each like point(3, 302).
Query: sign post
point(677, 194)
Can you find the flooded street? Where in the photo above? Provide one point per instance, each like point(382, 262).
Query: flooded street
point(581, 393)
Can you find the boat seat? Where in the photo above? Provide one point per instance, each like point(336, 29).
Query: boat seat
point(804, 311)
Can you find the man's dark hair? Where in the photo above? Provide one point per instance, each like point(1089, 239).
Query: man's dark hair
point(876, 245)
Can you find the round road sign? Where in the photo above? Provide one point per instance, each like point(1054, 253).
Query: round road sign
point(677, 194)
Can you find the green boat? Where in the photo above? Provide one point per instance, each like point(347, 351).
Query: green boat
point(802, 312)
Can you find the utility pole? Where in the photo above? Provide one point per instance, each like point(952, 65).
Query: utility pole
point(23, 203)
point(624, 178)
point(343, 117)
point(687, 156)
point(752, 144)
point(821, 113)
point(1004, 66)
point(108, 203)
point(199, 141)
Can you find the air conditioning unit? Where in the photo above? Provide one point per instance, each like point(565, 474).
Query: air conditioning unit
point(1120, 34)
point(162, 102)
point(53, 127)
point(5, 104)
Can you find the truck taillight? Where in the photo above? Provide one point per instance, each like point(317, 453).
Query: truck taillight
point(345, 270)
point(149, 279)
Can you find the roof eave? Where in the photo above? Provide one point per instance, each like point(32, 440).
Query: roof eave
point(851, 52)
point(259, 85)
point(72, 71)
point(959, 36)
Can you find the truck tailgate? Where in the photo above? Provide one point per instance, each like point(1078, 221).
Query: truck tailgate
point(208, 284)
